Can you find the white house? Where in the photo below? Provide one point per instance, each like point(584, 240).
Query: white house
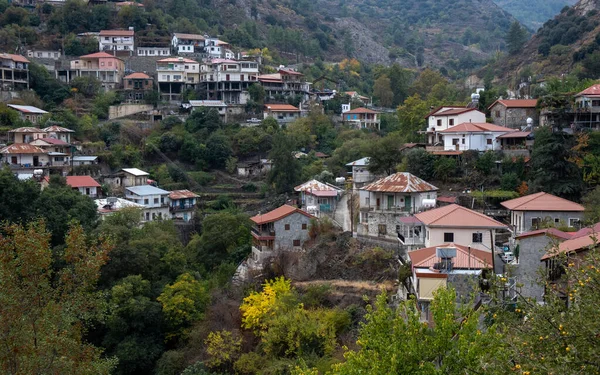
point(283, 113)
point(109, 206)
point(318, 197)
point(86, 185)
point(187, 43)
point(445, 117)
point(116, 40)
point(59, 132)
point(44, 54)
point(473, 136)
point(360, 172)
point(182, 204)
point(154, 199)
point(22, 155)
point(174, 74)
point(153, 51)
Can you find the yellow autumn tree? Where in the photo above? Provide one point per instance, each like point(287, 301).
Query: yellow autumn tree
point(259, 305)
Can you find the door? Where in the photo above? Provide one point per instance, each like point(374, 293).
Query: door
point(407, 203)
point(185, 216)
point(182, 204)
point(390, 202)
point(36, 161)
point(378, 203)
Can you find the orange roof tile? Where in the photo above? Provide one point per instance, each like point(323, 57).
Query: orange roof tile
point(401, 182)
point(98, 55)
point(81, 181)
point(542, 202)
point(361, 110)
point(475, 127)
point(517, 134)
point(465, 258)
point(573, 245)
point(591, 91)
point(281, 108)
point(516, 103)
point(553, 232)
point(116, 32)
point(454, 215)
point(16, 58)
point(137, 76)
point(189, 36)
point(278, 214)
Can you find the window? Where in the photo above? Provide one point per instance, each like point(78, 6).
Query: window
point(155, 200)
point(227, 77)
point(556, 220)
point(497, 113)
point(574, 222)
point(146, 201)
point(535, 222)
point(451, 122)
point(488, 141)
point(463, 141)
point(455, 141)
point(477, 237)
point(296, 242)
point(439, 122)
point(110, 63)
point(304, 226)
point(448, 237)
point(287, 227)
point(147, 216)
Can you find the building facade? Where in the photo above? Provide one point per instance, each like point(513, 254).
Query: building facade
point(514, 113)
point(14, 72)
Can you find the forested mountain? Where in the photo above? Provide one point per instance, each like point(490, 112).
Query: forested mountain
point(534, 13)
point(566, 44)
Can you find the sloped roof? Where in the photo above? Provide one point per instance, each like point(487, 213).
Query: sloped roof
point(135, 172)
point(573, 245)
point(53, 141)
point(21, 148)
point(517, 134)
point(401, 182)
point(15, 58)
point(515, 103)
point(27, 129)
point(116, 32)
point(281, 108)
point(318, 188)
point(359, 163)
point(278, 214)
point(476, 127)
point(57, 129)
point(98, 55)
point(290, 71)
point(105, 207)
point(182, 194)
point(129, 3)
point(137, 75)
point(465, 258)
point(178, 60)
point(361, 111)
point(189, 36)
point(207, 103)
point(449, 111)
point(146, 190)
point(27, 109)
point(542, 202)
point(81, 181)
point(590, 91)
point(552, 232)
point(454, 215)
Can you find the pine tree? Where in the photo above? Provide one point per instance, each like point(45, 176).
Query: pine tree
point(516, 38)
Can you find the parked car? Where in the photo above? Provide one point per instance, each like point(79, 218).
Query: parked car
point(253, 120)
point(508, 256)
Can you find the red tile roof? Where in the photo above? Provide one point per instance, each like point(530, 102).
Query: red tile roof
point(360, 111)
point(516, 134)
point(15, 58)
point(465, 258)
point(98, 55)
point(476, 127)
point(449, 110)
point(573, 245)
point(54, 141)
point(116, 32)
point(516, 103)
point(457, 216)
point(81, 181)
point(591, 91)
point(21, 148)
point(137, 76)
point(401, 182)
point(553, 232)
point(447, 199)
point(278, 214)
point(281, 108)
point(189, 36)
point(182, 194)
point(290, 72)
point(542, 202)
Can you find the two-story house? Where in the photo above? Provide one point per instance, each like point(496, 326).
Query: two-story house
point(447, 265)
point(107, 68)
point(385, 201)
point(26, 134)
point(22, 157)
point(514, 113)
point(318, 197)
point(182, 204)
point(473, 136)
point(174, 74)
point(187, 43)
point(535, 211)
point(587, 107)
point(59, 151)
point(14, 72)
point(86, 185)
point(59, 132)
point(228, 80)
point(117, 41)
point(361, 118)
point(444, 117)
point(136, 85)
point(284, 228)
point(285, 83)
point(283, 113)
point(360, 173)
point(154, 199)
point(29, 112)
point(451, 223)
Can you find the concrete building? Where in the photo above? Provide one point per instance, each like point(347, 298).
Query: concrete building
point(317, 197)
point(174, 74)
point(44, 54)
point(58, 132)
point(188, 43)
point(136, 86)
point(14, 72)
point(541, 209)
point(473, 136)
point(283, 113)
point(514, 113)
point(155, 200)
point(109, 206)
point(587, 108)
point(116, 41)
point(29, 112)
point(59, 151)
point(284, 228)
point(385, 201)
point(25, 134)
point(228, 80)
point(362, 118)
point(85, 185)
point(445, 117)
point(84, 160)
point(107, 68)
point(360, 173)
point(285, 83)
point(447, 265)
point(20, 156)
point(182, 204)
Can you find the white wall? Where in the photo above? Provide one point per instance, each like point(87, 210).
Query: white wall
point(92, 193)
point(472, 141)
point(462, 236)
point(471, 116)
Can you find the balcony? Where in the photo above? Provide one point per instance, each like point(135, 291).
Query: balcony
point(179, 208)
point(263, 234)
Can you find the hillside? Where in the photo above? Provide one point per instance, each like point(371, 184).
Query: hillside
point(569, 43)
point(534, 13)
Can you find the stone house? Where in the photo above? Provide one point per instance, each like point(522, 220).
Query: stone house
point(28, 112)
point(385, 201)
point(533, 211)
point(514, 113)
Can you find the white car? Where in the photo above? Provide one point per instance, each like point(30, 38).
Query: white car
point(508, 256)
point(253, 120)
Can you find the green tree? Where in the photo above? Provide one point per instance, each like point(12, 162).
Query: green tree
point(411, 115)
point(286, 169)
point(218, 150)
point(204, 118)
point(382, 91)
point(16, 197)
point(420, 163)
point(591, 202)
point(44, 312)
point(88, 86)
point(384, 155)
point(515, 38)
point(444, 167)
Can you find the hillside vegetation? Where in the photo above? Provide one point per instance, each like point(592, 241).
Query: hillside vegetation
point(534, 13)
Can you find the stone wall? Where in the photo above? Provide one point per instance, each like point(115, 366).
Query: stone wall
point(123, 110)
point(512, 117)
point(527, 271)
point(284, 239)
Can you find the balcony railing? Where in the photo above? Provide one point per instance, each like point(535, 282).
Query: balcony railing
point(263, 233)
point(186, 207)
